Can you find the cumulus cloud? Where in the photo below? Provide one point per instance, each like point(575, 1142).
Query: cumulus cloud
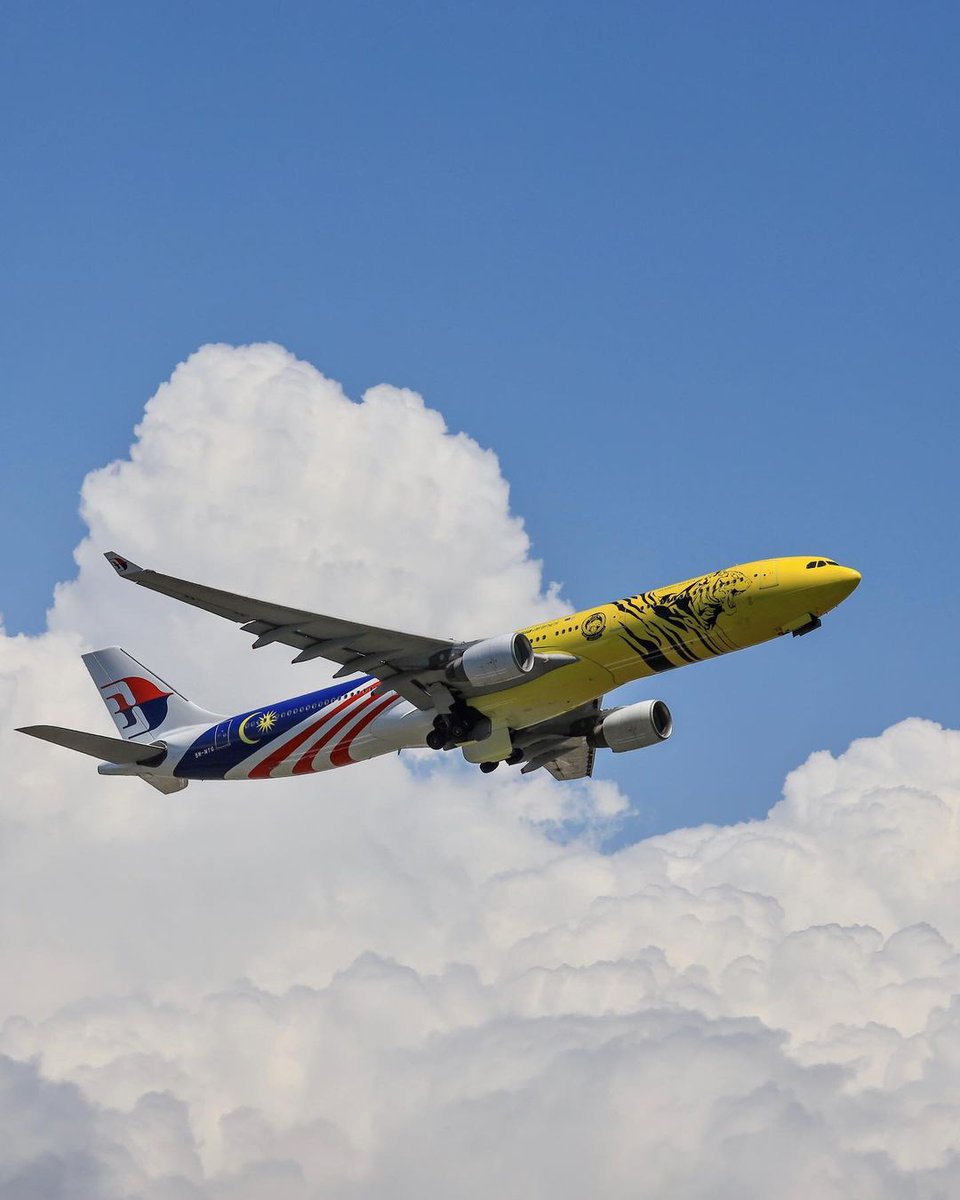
point(398, 981)
point(252, 469)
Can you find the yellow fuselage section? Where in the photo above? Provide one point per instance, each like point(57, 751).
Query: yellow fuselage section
point(656, 631)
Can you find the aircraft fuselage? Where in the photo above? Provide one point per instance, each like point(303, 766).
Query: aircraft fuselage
point(638, 636)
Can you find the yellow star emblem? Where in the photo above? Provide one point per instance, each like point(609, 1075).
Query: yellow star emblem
point(267, 722)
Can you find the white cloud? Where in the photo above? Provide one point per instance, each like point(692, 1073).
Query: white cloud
point(391, 982)
point(256, 473)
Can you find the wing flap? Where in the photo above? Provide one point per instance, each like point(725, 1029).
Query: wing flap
point(551, 745)
point(573, 764)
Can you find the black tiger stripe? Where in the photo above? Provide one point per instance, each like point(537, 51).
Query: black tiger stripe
point(670, 617)
point(649, 651)
point(628, 608)
point(664, 612)
point(681, 648)
point(709, 646)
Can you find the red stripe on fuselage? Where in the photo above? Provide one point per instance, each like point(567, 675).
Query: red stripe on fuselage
point(275, 758)
point(341, 756)
point(304, 764)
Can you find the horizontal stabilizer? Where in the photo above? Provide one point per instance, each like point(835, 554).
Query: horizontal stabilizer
point(106, 748)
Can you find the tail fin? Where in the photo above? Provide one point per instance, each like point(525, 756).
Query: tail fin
point(141, 704)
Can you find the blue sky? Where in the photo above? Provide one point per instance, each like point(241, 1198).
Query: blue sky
point(691, 271)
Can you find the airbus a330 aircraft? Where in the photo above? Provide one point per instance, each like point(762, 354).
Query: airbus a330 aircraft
point(532, 696)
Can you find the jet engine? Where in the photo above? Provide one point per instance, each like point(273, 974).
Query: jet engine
point(632, 727)
point(494, 661)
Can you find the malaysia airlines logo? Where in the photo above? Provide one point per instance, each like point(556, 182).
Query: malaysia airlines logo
point(137, 704)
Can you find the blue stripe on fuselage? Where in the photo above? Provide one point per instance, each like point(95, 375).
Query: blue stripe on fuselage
point(220, 748)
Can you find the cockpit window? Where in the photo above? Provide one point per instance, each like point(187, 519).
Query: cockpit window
point(820, 562)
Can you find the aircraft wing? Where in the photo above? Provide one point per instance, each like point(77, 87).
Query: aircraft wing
point(552, 746)
point(384, 653)
point(412, 665)
point(576, 763)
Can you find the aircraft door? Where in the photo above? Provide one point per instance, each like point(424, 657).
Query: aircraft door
point(769, 575)
point(221, 739)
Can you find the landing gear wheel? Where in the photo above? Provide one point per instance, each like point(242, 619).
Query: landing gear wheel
point(439, 735)
point(487, 767)
point(459, 729)
point(515, 757)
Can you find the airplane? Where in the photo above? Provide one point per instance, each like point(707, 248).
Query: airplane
point(531, 696)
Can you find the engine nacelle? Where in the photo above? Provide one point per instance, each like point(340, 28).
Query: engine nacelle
point(494, 661)
point(633, 727)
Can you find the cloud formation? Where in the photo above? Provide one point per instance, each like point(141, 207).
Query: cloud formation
point(398, 981)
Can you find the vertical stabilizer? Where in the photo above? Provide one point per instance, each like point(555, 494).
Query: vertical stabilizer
point(142, 705)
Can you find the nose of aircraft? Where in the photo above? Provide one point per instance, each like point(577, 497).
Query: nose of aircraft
point(848, 580)
point(804, 589)
point(833, 585)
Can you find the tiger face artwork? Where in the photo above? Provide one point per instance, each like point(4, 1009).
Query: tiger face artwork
point(713, 595)
point(670, 628)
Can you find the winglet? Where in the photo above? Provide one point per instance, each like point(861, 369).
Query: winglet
point(122, 566)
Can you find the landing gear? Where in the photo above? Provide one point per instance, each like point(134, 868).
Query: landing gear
point(460, 729)
point(487, 767)
point(515, 757)
point(460, 725)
